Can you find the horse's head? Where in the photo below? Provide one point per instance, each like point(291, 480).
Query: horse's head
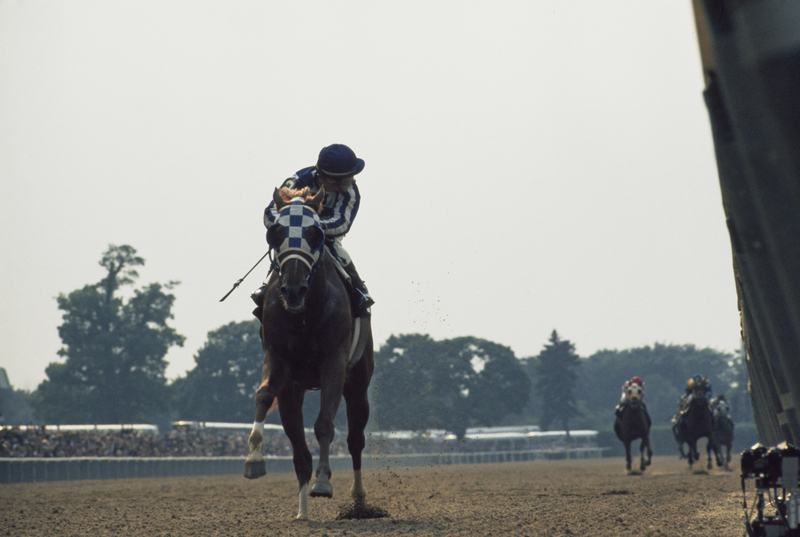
point(699, 394)
point(297, 239)
point(720, 407)
point(635, 393)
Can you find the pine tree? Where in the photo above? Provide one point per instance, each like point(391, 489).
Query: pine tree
point(557, 373)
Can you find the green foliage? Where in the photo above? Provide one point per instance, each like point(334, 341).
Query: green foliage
point(225, 378)
point(556, 376)
point(422, 384)
point(664, 369)
point(114, 350)
point(14, 407)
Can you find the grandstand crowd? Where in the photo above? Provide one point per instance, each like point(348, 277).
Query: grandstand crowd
point(180, 442)
point(32, 441)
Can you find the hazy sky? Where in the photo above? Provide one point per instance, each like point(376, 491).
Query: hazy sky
point(530, 165)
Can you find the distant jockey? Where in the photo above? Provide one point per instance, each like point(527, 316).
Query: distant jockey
point(696, 383)
point(720, 407)
point(627, 388)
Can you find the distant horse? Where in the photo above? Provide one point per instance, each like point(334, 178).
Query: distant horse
point(723, 429)
point(311, 340)
point(632, 425)
point(696, 423)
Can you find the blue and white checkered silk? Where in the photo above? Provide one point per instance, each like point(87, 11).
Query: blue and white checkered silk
point(296, 218)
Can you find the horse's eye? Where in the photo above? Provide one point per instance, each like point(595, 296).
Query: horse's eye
point(314, 237)
point(276, 234)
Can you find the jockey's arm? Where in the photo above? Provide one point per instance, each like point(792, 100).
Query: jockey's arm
point(344, 209)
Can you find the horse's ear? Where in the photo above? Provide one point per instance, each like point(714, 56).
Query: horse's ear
point(314, 237)
point(316, 201)
point(276, 197)
point(276, 234)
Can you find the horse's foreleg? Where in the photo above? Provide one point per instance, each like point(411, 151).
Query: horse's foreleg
point(254, 465)
point(712, 446)
point(628, 459)
point(291, 410)
point(693, 454)
point(643, 446)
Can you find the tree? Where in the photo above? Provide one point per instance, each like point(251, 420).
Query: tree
point(738, 394)
point(114, 349)
point(224, 380)
point(664, 369)
point(557, 374)
point(422, 384)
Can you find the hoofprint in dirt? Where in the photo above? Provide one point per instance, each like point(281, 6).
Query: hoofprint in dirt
point(548, 498)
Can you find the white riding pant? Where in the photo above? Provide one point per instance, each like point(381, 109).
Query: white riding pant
point(340, 253)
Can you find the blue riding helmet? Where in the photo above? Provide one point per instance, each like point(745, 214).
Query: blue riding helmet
point(338, 160)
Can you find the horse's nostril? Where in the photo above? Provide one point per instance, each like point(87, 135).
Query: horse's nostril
point(303, 291)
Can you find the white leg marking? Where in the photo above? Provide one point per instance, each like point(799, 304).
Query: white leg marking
point(302, 510)
point(358, 492)
point(256, 441)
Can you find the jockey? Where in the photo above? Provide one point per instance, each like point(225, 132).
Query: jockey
point(697, 381)
point(335, 171)
point(626, 396)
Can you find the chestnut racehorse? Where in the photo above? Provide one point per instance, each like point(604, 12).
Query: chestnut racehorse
point(311, 340)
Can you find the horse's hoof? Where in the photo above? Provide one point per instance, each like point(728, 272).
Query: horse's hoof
point(320, 489)
point(255, 469)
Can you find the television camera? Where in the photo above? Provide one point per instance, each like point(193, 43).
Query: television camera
point(776, 472)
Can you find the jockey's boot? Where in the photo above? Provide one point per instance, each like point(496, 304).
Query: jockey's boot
point(258, 298)
point(360, 294)
point(618, 409)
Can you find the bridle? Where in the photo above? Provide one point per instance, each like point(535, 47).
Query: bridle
point(310, 258)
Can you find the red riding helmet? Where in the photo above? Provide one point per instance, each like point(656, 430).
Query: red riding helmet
point(637, 380)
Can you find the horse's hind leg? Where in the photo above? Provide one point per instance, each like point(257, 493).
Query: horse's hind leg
point(357, 418)
point(254, 465)
point(330, 397)
point(291, 410)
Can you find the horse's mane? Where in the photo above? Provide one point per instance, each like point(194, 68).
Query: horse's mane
point(286, 195)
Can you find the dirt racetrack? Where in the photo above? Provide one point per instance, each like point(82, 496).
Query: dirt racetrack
point(549, 498)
